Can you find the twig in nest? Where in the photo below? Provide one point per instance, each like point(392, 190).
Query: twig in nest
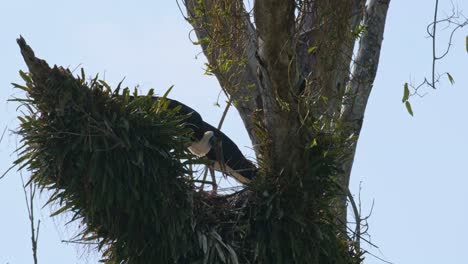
point(220, 124)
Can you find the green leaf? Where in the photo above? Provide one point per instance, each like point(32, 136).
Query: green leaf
point(311, 49)
point(408, 107)
point(167, 92)
point(22, 87)
point(405, 93)
point(313, 143)
point(25, 76)
point(103, 83)
point(452, 81)
point(59, 211)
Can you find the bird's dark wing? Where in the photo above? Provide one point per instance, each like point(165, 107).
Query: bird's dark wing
point(195, 121)
point(232, 156)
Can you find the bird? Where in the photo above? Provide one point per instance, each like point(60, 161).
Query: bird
point(227, 157)
point(210, 142)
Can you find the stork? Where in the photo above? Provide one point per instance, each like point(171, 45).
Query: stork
point(213, 144)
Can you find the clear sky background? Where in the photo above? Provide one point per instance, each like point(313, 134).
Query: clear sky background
point(412, 168)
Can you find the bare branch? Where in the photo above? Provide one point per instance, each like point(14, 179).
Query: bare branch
point(30, 206)
point(434, 29)
point(220, 124)
point(451, 20)
point(358, 219)
point(453, 23)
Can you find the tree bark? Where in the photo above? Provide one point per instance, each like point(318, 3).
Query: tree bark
point(361, 83)
point(278, 74)
point(326, 48)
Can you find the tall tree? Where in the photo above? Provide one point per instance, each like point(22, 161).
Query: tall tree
point(292, 61)
point(290, 70)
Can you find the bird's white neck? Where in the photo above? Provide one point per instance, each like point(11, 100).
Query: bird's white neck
point(202, 147)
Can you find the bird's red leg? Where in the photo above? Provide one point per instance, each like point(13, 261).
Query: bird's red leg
point(213, 179)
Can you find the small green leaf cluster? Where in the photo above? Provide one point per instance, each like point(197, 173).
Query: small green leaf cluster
point(406, 95)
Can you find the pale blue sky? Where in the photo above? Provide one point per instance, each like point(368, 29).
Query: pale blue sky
point(413, 168)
